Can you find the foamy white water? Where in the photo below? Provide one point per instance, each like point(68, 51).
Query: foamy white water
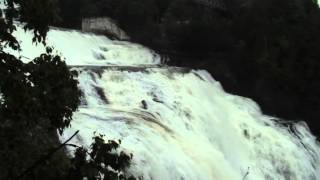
point(178, 124)
point(2, 6)
point(85, 49)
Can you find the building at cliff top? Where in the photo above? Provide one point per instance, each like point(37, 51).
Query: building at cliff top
point(104, 25)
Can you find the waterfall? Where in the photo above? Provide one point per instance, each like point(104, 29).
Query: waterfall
point(178, 123)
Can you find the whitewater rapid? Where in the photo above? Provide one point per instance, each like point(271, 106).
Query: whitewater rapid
point(85, 49)
point(178, 123)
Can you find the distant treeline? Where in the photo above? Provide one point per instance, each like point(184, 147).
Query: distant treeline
point(268, 50)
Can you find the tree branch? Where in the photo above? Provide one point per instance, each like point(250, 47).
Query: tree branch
point(247, 173)
point(45, 158)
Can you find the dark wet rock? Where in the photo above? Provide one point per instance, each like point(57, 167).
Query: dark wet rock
point(83, 101)
point(98, 56)
point(144, 104)
point(246, 134)
point(103, 48)
point(155, 99)
point(101, 94)
point(93, 77)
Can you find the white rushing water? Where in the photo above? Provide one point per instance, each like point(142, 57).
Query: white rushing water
point(86, 49)
point(179, 124)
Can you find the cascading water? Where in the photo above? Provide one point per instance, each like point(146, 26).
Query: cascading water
point(177, 123)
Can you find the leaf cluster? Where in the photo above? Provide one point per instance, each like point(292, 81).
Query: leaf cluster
point(101, 162)
point(37, 91)
point(36, 15)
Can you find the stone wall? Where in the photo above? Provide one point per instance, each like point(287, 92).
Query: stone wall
point(104, 25)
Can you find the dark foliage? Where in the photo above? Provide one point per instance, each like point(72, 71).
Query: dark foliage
point(37, 99)
point(36, 91)
point(104, 162)
point(37, 15)
point(33, 104)
point(278, 49)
